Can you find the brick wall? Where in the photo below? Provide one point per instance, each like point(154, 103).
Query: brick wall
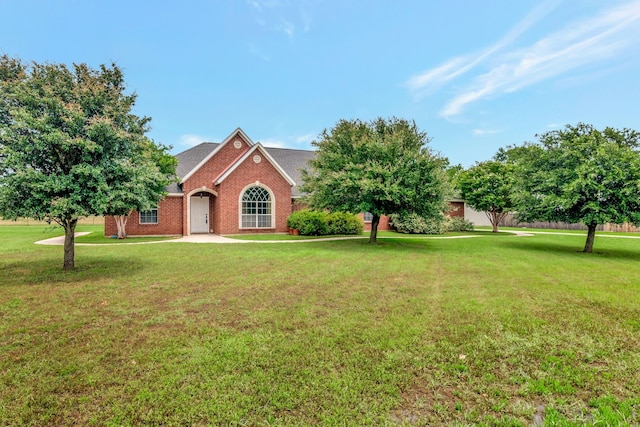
point(203, 177)
point(382, 225)
point(169, 220)
point(227, 209)
point(456, 209)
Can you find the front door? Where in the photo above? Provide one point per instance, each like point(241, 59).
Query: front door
point(199, 214)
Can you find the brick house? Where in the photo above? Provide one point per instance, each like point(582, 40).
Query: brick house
point(236, 186)
point(232, 187)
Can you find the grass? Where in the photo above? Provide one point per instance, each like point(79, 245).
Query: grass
point(555, 230)
point(381, 235)
point(487, 331)
point(97, 238)
point(276, 236)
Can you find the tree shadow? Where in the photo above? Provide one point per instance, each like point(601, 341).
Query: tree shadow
point(525, 244)
point(48, 270)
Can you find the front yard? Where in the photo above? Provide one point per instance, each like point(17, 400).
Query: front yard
point(493, 330)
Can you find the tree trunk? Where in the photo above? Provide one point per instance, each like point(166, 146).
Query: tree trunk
point(495, 218)
point(591, 236)
point(494, 221)
point(375, 220)
point(69, 244)
point(121, 223)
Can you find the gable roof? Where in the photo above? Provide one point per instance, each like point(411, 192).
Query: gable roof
point(288, 161)
point(232, 135)
point(187, 162)
point(292, 161)
point(189, 159)
point(257, 147)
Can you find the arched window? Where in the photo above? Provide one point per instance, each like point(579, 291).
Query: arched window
point(256, 208)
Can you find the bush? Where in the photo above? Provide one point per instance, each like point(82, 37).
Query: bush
point(313, 223)
point(318, 223)
point(458, 224)
point(294, 220)
point(345, 223)
point(415, 224)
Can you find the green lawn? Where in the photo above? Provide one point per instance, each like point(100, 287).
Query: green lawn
point(493, 330)
point(98, 238)
point(365, 234)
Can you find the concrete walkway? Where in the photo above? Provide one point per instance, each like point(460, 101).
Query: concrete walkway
point(204, 238)
point(214, 238)
point(60, 239)
point(195, 238)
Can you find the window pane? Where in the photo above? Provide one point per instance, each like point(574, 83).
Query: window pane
point(256, 208)
point(248, 221)
point(264, 221)
point(149, 217)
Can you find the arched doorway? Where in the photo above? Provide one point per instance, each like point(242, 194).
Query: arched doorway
point(200, 211)
point(200, 214)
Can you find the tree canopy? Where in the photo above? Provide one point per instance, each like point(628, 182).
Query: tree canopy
point(382, 167)
point(138, 183)
point(488, 186)
point(69, 142)
point(579, 175)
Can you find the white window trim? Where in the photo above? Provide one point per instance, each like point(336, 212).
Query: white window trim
point(273, 207)
point(364, 217)
point(148, 210)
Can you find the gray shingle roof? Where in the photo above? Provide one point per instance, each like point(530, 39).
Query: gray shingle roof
point(292, 161)
point(189, 159)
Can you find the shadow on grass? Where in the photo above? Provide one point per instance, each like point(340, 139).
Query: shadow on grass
point(567, 249)
point(48, 270)
point(384, 245)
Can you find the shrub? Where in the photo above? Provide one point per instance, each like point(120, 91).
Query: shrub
point(318, 223)
point(313, 223)
point(458, 224)
point(345, 223)
point(293, 220)
point(412, 223)
point(308, 222)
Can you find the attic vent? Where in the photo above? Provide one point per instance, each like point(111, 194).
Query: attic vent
point(257, 159)
point(237, 143)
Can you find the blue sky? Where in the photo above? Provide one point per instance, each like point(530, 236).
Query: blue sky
point(476, 76)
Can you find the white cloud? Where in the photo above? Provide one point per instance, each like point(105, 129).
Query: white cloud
point(305, 139)
point(274, 143)
point(282, 16)
point(289, 141)
point(190, 140)
point(581, 43)
point(481, 132)
point(306, 20)
point(264, 4)
point(429, 80)
point(287, 27)
point(426, 82)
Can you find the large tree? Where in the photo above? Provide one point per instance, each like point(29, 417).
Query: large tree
point(382, 167)
point(65, 136)
point(579, 175)
point(488, 187)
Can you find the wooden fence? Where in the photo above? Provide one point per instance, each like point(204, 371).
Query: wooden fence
point(510, 221)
